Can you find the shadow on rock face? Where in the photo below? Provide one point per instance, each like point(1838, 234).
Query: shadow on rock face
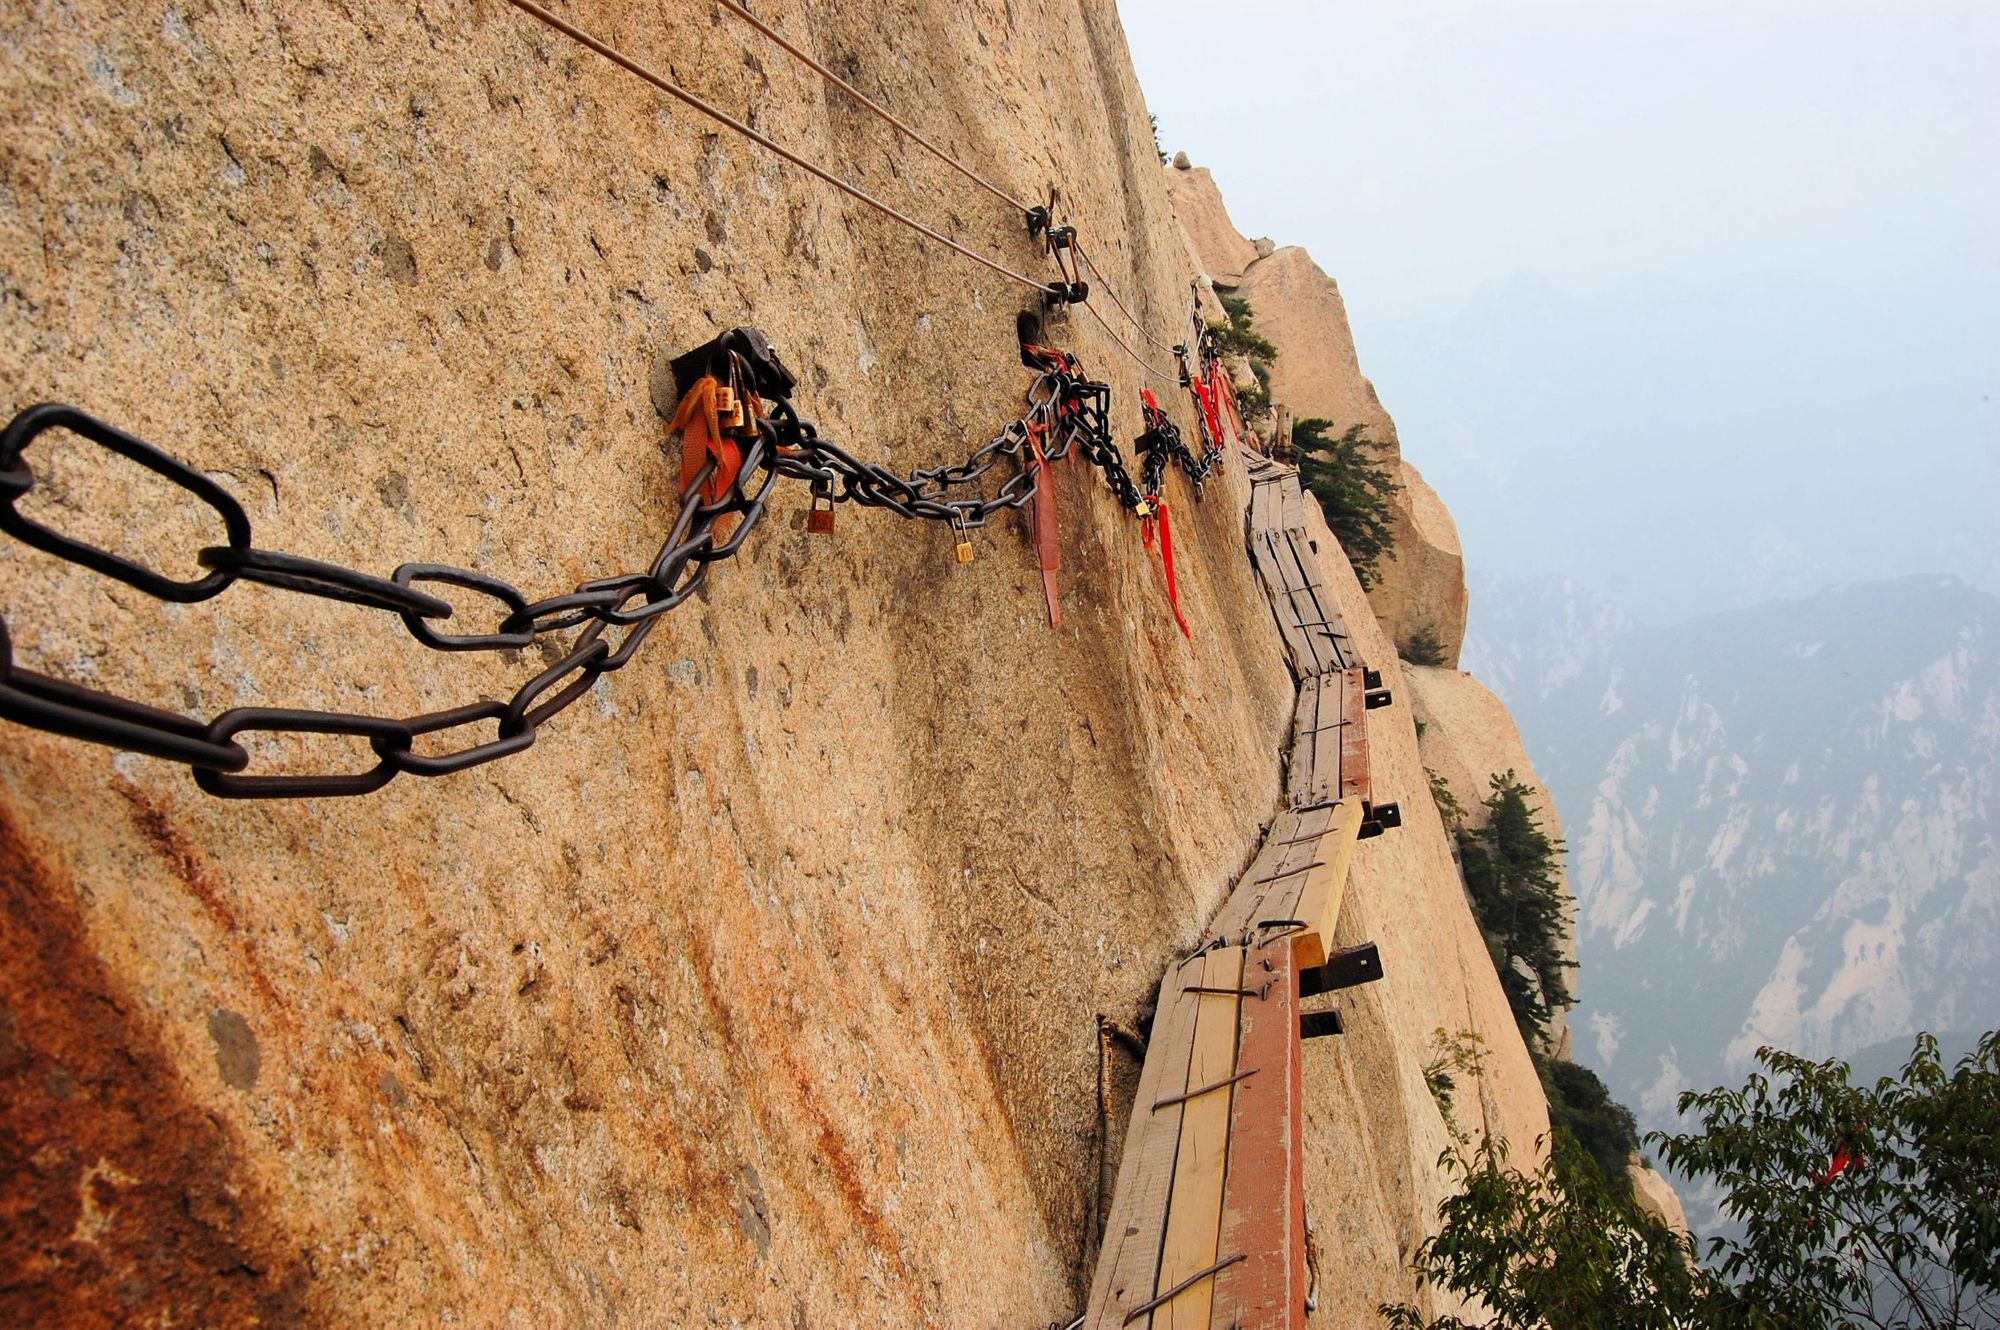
point(121, 1198)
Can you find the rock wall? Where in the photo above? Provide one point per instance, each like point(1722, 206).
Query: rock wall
point(1656, 1196)
point(762, 988)
point(1225, 254)
point(1420, 587)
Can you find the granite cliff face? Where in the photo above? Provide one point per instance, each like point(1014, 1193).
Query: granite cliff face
point(1421, 586)
point(761, 990)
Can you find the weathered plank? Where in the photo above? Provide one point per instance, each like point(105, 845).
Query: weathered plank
point(1303, 779)
point(1307, 617)
point(1289, 849)
point(1309, 602)
point(1321, 892)
point(1205, 1177)
point(1267, 550)
point(1194, 1215)
point(1263, 1196)
point(1135, 1228)
point(1353, 783)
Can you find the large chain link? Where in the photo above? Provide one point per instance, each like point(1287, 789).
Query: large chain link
point(610, 617)
point(1161, 444)
point(614, 615)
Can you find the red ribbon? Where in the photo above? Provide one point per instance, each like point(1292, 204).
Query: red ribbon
point(1166, 557)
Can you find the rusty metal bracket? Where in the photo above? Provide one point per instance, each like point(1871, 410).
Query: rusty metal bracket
point(1259, 992)
point(1344, 969)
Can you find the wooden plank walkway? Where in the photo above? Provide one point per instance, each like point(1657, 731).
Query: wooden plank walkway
point(1206, 1229)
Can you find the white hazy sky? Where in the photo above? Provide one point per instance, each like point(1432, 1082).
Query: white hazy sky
point(1830, 165)
point(1423, 147)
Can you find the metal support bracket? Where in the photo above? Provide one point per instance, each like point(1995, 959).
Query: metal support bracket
point(1344, 969)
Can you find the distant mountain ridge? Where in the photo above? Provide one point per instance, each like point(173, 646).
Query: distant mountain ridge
point(1780, 819)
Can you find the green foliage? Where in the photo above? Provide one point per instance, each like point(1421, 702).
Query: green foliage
point(1510, 871)
point(1256, 399)
point(1155, 122)
point(1236, 336)
point(1603, 1128)
point(1353, 487)
point(1464, 1053)
point(1423, 647)
point(1550, 1250)
point(1448, 806)
point(1908, 1233)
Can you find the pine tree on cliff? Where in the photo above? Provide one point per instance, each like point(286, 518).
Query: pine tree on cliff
point(1510, 869)
point(1354, 490)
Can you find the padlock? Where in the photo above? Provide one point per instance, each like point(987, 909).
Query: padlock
point(728, 408)
point(963, 550)
point(819, 518)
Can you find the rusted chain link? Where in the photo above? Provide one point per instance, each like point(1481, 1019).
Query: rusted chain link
point(1161, 444)
point(631, 604)
point(611, 616)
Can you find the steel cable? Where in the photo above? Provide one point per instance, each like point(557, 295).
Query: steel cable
point(890, 118)
point(672, 89)
point(1106, 287)
point(877, 108)
point(1136, 358)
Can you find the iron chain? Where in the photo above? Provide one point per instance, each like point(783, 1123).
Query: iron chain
point(609, 618)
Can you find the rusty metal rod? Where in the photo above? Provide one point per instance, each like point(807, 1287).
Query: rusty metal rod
point(1183, 1286)
point(1171, 1100)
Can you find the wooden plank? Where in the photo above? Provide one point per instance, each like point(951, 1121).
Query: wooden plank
point(1318, 739)
point(1267, 543)
point(1263, 1194)
point(1194, 1217)
point(1320, 896)
point(1277, 520)
point(1269, 886)
point(1135, 1228)
point(1302, 599)
point(1304, 782)
point(1353, 783)
point(1312, 605)
point(1176, 1211)
point(1237, 913)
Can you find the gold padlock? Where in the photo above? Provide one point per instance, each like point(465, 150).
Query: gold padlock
point(963, 550)
point(728, 408)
